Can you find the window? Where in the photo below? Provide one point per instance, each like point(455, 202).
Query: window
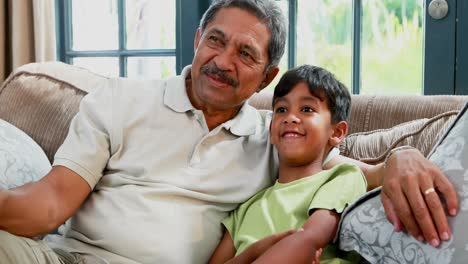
point(120, 38)
point(381, 47)
point(385, 55)
point(374, 47)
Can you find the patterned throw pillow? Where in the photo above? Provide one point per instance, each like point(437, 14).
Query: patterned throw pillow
point(365, 229)
point(372, 146)
point(21, 159)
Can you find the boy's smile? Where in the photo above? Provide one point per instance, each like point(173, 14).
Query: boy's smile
point(291, 135)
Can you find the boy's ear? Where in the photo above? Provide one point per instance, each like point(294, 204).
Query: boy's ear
point(269, 76)
point(340, 130)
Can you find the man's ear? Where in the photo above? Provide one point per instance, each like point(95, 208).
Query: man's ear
point(340, 130)
point(197, 39)
point(269, 76)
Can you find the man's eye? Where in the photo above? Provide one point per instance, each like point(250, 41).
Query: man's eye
point(213, 39)
point(245, 54)
point(281, 110)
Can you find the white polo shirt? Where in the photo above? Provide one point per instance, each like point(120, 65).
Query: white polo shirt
point(162, 183)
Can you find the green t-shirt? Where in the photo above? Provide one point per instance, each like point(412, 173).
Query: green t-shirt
point(283, 207)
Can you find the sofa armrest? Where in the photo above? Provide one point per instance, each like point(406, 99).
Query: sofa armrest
point(42, 98)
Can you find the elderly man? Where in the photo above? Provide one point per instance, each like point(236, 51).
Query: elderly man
point(150, 168)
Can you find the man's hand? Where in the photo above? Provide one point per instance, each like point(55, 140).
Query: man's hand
point(409, 198)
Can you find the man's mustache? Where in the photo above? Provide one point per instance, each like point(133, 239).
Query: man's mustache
point(220, 74)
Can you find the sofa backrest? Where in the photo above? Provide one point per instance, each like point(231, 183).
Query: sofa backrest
point(378, 124)
point(372, 112)
point(42, 98)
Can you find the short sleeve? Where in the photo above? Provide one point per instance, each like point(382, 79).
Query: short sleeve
point(86, 148)
point(229, 223)
point(346, 184)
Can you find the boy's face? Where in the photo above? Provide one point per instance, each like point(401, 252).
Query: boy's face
point(301, 128)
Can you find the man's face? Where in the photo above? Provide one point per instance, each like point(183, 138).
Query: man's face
point(301, 127)
point(230, 60)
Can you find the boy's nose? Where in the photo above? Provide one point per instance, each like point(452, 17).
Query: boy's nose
point(291, 118)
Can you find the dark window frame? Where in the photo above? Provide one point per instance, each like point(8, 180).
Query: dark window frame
point(444, 58)
point(181, 52)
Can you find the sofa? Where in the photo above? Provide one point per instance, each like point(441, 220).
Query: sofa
point(40, 99)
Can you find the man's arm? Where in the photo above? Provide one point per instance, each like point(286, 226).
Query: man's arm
point(301, 247)
point(374, 173)
point(40, 207)
point(405, 178)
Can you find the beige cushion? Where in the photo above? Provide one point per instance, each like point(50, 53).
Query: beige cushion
point(372, 146)
point(42, 98)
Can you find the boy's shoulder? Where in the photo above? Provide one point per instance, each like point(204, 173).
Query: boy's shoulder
point(348, 173)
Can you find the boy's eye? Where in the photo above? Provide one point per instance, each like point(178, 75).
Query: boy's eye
point(307, 109)
point(281, 110)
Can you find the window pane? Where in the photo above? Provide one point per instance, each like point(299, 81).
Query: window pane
point(392, 47)
point(324, 36)
point(283, 65)
point(151, 24)
point(151, 67)
point(95, 25)
point(106, 66)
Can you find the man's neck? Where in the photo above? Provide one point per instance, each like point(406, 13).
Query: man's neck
point(213, 116)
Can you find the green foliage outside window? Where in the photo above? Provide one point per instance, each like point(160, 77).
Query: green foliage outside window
point(391, 42)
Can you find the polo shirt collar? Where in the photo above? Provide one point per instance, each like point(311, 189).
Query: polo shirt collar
point(175, 94)
point(176, 98)
point(245, 122)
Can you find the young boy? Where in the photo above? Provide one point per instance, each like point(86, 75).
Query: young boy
point(310, 109)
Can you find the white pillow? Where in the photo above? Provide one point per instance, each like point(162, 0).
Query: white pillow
point(365, 228)
point(21, 158)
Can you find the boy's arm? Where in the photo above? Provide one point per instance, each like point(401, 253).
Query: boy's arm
point(300, 247)
point(226, 251)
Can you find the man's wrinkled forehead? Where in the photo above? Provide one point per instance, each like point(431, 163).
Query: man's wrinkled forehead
point(225, 14)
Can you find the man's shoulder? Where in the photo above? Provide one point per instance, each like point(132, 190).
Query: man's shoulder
point(264, 117)
point(135, 86)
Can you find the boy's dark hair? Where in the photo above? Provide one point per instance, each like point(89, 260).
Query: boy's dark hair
point(322, 84)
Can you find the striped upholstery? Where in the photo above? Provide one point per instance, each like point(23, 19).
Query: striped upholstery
point(42, 98)
point(35, 99)
point(379, 123)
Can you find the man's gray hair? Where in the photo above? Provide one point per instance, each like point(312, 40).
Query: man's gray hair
point(266, 11)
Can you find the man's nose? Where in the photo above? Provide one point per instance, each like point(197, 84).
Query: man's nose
point(225, 60)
